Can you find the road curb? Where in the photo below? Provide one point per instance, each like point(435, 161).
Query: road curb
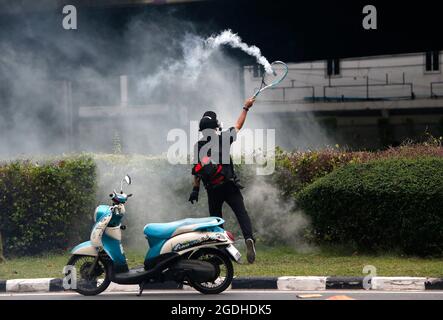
point(264, 283)
point(434, 284)
point(345, 283)
point(398, 283)
point(286, 283)
point(302, 283)
point(28, 285)
point(2, 285)
point(56, 285)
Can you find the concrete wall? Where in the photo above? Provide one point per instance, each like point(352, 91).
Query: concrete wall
point(388, 77)
point(299, 120)
point(372, 103)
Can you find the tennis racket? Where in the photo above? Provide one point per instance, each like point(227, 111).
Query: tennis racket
point(269, 80)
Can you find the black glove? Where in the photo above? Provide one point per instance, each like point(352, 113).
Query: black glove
point(194, 195)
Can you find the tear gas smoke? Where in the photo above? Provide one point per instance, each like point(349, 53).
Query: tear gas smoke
point(276, 221)
point(232, 39)
point(196, 64)
point(174, 74)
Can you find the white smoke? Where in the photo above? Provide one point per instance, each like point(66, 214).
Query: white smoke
point(275, 220)
point(227, 37)
point(170, 65)
point(197, 52)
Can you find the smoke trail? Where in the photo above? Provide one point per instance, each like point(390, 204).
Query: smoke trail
point(276, 221)
point(197, 51)
point(234, 40)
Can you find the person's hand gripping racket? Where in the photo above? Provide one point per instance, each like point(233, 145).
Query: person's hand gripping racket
point(249, 103)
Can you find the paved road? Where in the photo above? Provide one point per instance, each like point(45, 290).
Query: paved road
point(238, 295)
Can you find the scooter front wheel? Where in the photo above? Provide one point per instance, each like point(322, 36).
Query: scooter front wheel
point(224, 267)
point(91, 276)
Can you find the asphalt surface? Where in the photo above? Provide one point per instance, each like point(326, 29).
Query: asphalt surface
point(237, 295)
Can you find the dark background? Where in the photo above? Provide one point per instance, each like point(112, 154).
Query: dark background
point(285, 30)
point(106, 45)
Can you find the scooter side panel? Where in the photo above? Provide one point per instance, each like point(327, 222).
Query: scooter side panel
point(114, 249)
point(85, 249)
point(155, 247)
point(192, 240)
point(99, 229)
point(114, 233)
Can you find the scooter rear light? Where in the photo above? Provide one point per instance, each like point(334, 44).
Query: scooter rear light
point(230, 235)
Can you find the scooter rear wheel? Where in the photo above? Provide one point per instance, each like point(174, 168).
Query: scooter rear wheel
point(89, 282)
point(224, 267)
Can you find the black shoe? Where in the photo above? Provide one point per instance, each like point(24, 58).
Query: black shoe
point(250, 250)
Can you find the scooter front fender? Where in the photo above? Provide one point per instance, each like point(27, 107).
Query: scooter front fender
point(85, 249)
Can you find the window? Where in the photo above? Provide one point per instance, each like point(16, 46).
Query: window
point(333, 67)
point(432, 61)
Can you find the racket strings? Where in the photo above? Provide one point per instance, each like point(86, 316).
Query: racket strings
point(275, 77)
point(280, 71)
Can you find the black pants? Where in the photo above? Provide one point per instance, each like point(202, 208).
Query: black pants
point(230, 194)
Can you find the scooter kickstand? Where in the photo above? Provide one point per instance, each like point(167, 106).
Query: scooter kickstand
point(142, 287)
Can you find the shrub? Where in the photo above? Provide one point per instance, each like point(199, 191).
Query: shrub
point(296, 170)
point(45, 206)
point(49, 205)
point(2, 258)
point(382, 204)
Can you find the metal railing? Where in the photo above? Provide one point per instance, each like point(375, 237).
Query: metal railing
point(285, 89)
point(367, 88)
point(365, 94)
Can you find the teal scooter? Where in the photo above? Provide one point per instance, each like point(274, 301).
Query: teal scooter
point(195, 252)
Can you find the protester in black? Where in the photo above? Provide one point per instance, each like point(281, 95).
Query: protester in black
point(214, 167)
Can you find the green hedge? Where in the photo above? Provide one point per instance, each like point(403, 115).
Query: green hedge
point(296, 170)
point(49, 206)
point(46, 206)
point(380, 205)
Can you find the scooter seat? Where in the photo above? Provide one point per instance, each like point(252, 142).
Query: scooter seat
point(172, 229)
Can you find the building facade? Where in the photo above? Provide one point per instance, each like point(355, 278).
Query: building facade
point(367, 102)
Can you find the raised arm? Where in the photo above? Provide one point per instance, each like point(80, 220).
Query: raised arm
point(241, 120)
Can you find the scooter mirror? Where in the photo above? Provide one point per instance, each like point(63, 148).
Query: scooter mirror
point(127, 179)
